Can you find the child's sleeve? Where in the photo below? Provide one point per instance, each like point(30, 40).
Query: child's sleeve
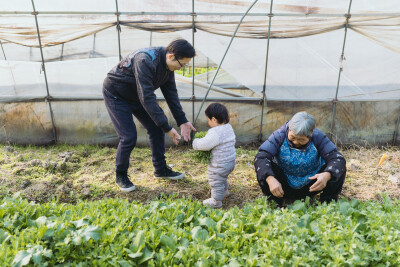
point(206, 143)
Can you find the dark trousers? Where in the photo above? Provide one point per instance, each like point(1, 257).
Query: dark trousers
point(329, 193)
point(121, 112)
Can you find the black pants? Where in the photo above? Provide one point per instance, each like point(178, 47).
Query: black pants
point(121, 112)
point(329, 193)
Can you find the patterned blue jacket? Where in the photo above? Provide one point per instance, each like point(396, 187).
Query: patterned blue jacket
point(271, 147)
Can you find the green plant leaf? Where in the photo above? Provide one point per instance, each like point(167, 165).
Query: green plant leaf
point(82, 222)
point(4, 236)
point(91, 232)
point(189, 219)
point(139, 241)
point(41, 221)
point(304, 220)
point(298, 206)
point(22, 258)
point(234, 263)
point(199, 233)
point(168, 242)
point(125, 263)
point(77, 240)
point(345, 208)
point(154, 205)
point(210, 223)
point(202, 156)
point(135, 255)
point(147, 255)
point(37, 257)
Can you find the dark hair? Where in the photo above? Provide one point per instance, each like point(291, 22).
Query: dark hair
point(218, 111)
point(181, 49)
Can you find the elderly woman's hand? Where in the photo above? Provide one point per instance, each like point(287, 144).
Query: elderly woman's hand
point(322, 179)
point(275, 186)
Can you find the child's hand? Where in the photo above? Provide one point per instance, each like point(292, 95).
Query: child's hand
point(201, 156)
point(173, 134)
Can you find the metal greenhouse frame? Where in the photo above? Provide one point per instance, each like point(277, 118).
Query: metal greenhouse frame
point(263, 101)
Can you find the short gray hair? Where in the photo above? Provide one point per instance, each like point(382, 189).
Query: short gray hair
point(302, 123)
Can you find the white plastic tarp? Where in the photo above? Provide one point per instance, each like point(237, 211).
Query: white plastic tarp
point(304, 56)
point(75, 79)
point(307, 68)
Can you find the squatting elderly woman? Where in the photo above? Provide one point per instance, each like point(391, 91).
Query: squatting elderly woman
point(299, 160)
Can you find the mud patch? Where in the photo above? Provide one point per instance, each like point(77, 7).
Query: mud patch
point(39, 192)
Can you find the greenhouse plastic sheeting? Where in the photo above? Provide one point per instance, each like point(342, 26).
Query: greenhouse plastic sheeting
point(56, 29)
point(307, 68)
point(103, 44)
point(304, 55)
point(75, 79)
point(79, 122)
point(307, 38)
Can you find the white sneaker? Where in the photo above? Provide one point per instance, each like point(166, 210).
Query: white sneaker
point(212, 203)
point(226, 193)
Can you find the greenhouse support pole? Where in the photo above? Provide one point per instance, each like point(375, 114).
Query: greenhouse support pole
point(62, 52)
point(222, 60)
point(335, 100)
point(265, 73)
point(396, 130)
point(94, 46)
point(207, 68)
point(234, 14)
point(48, 98)
point(229, 14)
point(2, 49)
point(118, 30)
point(151, 38)
point(193, 31)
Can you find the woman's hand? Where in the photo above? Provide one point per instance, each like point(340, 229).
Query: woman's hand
point(275, 186)
point(322, 179)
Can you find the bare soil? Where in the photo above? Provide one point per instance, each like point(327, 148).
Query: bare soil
point(72, 173)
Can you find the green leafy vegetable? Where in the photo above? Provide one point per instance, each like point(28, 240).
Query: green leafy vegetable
point(202, 156)
point(182, 232)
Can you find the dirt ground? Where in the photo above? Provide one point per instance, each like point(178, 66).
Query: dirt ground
point(73, 173)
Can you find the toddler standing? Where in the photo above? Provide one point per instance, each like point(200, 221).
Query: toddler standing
point(220, 139)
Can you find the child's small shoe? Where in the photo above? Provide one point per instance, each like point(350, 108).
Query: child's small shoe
point(211, 202)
